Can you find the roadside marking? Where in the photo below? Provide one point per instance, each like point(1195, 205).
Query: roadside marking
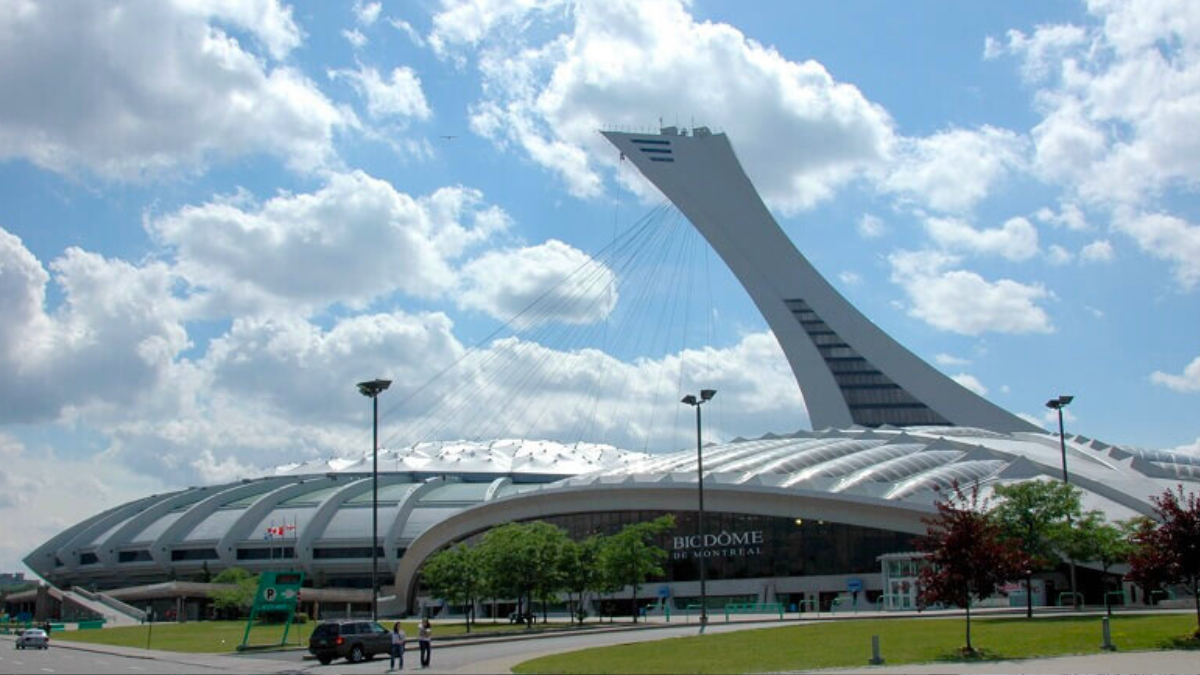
point(135, 668)
point(48, 670)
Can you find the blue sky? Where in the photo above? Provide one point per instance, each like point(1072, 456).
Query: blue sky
point(216, 217)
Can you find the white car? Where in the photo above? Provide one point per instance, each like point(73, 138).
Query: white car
point(33, 637)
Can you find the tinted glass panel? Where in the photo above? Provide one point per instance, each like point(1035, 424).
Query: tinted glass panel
point(746, 546)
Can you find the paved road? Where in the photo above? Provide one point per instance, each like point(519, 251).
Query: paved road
point(104, 660)
point(500, 657)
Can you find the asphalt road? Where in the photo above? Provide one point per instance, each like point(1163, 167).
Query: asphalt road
point(499, 657)
point(59, 660)
point(486, 657)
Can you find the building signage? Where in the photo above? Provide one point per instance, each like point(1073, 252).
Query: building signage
point(723, 544)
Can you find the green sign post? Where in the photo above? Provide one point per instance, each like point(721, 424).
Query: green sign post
point(277, 592)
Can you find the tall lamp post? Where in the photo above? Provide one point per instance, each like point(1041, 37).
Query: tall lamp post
point(1058, 404)
point(705, 396)
point(372, 389)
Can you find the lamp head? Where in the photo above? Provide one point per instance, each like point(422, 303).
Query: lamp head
point(1060, 402)
point(689, 399)
point(373, 388)
point(707, 394)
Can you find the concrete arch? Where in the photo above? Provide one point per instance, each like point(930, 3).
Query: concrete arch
point(68, 553)
point(259, 510)
point(326, 511)
point(41, 560)
point(106, 550)
point(176, 531)
point(407, 504)
point(664, 495)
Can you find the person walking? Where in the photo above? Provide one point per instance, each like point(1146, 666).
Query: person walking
point(398, 638)
point(424, 638)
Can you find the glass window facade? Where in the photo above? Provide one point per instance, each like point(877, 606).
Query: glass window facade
point(747, 546)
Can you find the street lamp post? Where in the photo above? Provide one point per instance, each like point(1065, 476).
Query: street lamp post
point(1058, 404)
point(372, 389)
point(705, 396)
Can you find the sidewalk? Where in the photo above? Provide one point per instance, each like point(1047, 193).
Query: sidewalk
point(234, 664)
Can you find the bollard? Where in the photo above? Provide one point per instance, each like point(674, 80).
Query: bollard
point(876, 657)
point(1108, 645)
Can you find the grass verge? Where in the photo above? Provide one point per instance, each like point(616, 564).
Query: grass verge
point(214, 637)
point(848, 644)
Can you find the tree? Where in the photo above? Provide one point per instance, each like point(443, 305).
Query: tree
point(966, 553)
point(521, 560)
point(455, 574)
point(630, 556)
point(1168, 552)
point(1093, 539)
point(546, 546)
point(1033, 515)
point(580, 571)
point(240, 598)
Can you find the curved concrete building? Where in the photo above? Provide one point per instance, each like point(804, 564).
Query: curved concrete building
point(315, 517)
point(826, 505)
point(798, 518)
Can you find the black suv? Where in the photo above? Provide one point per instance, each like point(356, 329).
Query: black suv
point(354, 641)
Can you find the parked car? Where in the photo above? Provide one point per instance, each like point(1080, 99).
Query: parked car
point(354, 641)
point(33, 637)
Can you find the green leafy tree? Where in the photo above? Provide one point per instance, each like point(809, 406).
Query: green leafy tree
point(580, 571)
point(1033, 516)
point(966, 552)
point(522, 561)
point(456, 575)
point(547, 546)
point(1094, 539)
point(238, 599)
point(631, 557)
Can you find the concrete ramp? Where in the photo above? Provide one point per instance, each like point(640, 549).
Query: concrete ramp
point(94, 602)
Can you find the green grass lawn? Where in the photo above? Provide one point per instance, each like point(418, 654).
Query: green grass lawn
point(225, 636)
point(848, 644)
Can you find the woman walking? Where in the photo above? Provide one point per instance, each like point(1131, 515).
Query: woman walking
point(424, 637)
point(398, 638)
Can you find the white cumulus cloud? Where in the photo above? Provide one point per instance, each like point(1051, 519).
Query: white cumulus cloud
point(569, 286)
point(1186, 382)
point(397, 95)
point(153, 86)
point(970, 382)
point(954, 170)
point(1015, 240)
point(355, 239)
point(1168, 238)
point(871, 226)
point(800, 133)
point(962, 301)
point(1097, 251)
point(117, 329)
